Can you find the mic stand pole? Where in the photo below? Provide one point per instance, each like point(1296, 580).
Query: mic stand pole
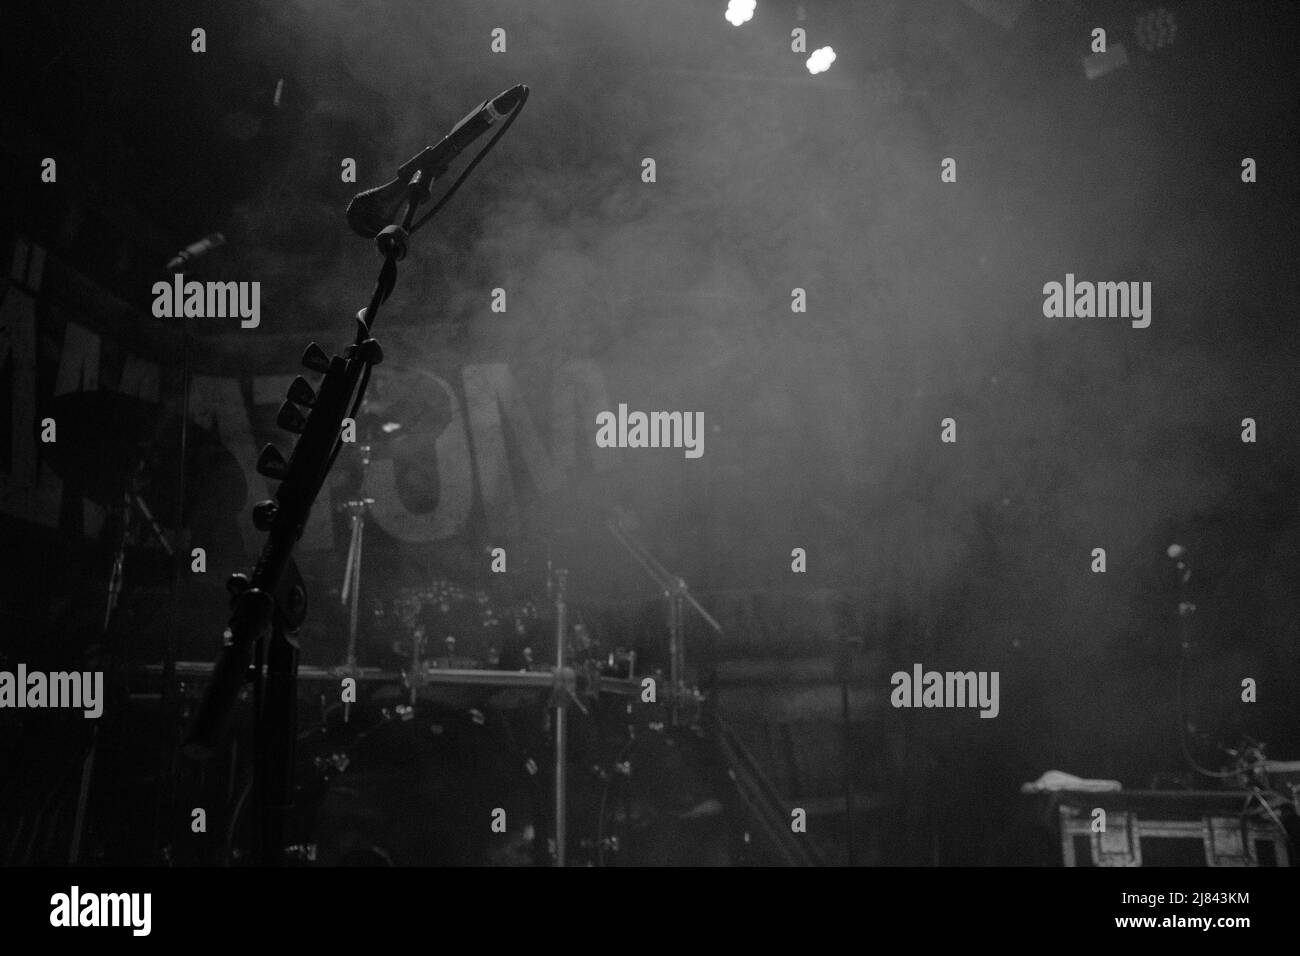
point(169, 702)
point(271, 603)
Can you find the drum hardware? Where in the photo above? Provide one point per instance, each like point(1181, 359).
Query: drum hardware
point(350, 594)
point(300, 853)
point(356, 509)
point(307, 672)
point(587, 681)
point(464, 622)
point(600, 846)
point(617, 807)
point(564, 684)
point(414, 679)
point(620, 662)
point(332, 764)
point(678, 595)
point(105, 454)
point(136, 458)
point(560, 698)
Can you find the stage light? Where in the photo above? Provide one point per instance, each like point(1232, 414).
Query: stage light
point(739, 11)
point(821, 59)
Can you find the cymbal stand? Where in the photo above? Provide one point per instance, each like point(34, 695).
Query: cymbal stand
point(678, 594)
point(563, 693)
point(128, 505)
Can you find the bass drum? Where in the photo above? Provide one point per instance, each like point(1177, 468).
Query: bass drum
point(661, 798)
point(400, 786)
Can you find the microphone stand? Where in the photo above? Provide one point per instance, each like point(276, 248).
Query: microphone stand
point(169, 702)
point(271, 603)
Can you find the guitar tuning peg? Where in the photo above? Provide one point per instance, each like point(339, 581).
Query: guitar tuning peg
point(300, 393)
point(316, 359)
point(290, 419)
point(271, 464)
point(370, 352)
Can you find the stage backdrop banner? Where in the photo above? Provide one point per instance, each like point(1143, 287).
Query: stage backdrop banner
point(451, 441)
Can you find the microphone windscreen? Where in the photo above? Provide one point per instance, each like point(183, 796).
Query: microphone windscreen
point(370, 212)
point(507, 101)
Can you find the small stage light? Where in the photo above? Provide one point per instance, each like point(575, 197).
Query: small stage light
point(821, 59)
point(739, 11)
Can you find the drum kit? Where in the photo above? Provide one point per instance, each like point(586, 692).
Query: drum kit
point(497, 734)
point(462, 727)
point(465, 728)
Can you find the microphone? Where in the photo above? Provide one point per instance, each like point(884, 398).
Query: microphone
point(371, 211)
point(194, 250)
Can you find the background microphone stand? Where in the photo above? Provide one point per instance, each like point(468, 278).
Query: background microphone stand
point(169, 703)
